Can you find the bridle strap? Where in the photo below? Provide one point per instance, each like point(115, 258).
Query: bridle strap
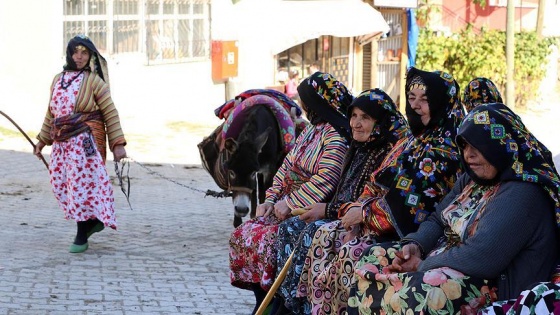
point(241, 189)
point(245, 189)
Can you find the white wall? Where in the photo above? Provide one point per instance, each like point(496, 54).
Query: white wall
point(148, 98)
point(30, 44)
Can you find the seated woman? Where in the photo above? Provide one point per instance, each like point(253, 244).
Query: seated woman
point(480, 91)
point(376, 126)
point(493, 236)
point(417, 173)
point(308, 175)
point(483, 91)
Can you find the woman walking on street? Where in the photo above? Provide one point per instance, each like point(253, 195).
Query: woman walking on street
point(80, 116)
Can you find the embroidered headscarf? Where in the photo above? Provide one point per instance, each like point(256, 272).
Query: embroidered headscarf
point(504, 141)
point(442, 94)
point(390, 124)
point(363, 158)
point(480, 91)
point(423, 168)
point(97, 64)
point(324, 98)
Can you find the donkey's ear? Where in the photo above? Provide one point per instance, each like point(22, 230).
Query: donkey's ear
point(261, 139)
point(230, 145)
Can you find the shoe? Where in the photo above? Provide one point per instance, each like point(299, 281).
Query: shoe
point(98, 227)
point(74, 249)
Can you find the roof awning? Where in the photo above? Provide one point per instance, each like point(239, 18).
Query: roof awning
point(283, 24)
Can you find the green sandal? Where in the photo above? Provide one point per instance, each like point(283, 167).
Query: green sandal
point(74, 249)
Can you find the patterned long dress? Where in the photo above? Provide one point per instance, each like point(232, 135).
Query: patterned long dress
point(295, 235)
point(320, 281)
point(79, 178)
point(434, 291)
point(308, 175)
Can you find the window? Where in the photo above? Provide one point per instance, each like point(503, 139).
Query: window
point(166, 31)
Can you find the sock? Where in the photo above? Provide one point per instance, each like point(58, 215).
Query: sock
point(279, 307)
point(260, 294)
point(81, 234)
point(276, 303)
point(91, 223)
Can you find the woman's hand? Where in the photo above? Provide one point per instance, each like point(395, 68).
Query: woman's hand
point(119, 153)
point(352, 217)
point(38, 148)
point(314, 212)
point(352, 234)
point(407, 259)
point(264, 209)
point(281, 210)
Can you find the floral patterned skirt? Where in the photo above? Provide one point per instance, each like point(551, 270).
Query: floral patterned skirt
point(252, 253)
point(329, 268)
point(437, 291)
point(80, 181)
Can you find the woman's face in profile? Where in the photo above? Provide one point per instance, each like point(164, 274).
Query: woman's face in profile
point(419, 103)
point(362, 125)
point(477, 163)
point(81, 57)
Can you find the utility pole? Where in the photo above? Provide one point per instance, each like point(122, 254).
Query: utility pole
point(510, 49)
point(540, 17)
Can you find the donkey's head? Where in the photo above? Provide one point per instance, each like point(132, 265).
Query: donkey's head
point(243, 167)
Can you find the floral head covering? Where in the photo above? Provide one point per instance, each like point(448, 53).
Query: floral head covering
point(326, 99)
point(422, 169)
point(502, 138)
point(480, 91)
point(442, 94)
point(97, 64)
point(390, 125)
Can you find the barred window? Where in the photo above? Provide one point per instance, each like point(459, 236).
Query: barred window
point(166, 31)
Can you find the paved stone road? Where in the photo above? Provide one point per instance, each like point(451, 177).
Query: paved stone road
point(168, 256)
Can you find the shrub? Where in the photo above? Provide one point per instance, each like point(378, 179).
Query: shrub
point(467, 55)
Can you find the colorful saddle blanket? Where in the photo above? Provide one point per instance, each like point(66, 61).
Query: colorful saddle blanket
point(236, 119)
point(282, 98)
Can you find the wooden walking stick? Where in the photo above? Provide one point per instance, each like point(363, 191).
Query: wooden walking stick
point(275, 285)
point(25, 135)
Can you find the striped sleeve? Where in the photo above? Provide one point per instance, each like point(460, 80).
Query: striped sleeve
point(327, 162)
point(102, 95)
point(274, 192)
point(45, 133)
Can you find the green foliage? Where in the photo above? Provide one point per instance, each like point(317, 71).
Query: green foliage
point(481, 3)
point(467, 55)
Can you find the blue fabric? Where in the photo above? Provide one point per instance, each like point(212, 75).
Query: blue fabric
point(412, 37)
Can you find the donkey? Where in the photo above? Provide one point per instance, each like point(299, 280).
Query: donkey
point(252, 160)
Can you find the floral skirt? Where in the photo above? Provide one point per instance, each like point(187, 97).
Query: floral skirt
point(80, 181)
point(295, 235)
point(542, 299)
point(252, 253)
point(329, 268)
point(437, 291)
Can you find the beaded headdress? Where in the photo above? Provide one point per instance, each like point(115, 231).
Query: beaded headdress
point(417, 83)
